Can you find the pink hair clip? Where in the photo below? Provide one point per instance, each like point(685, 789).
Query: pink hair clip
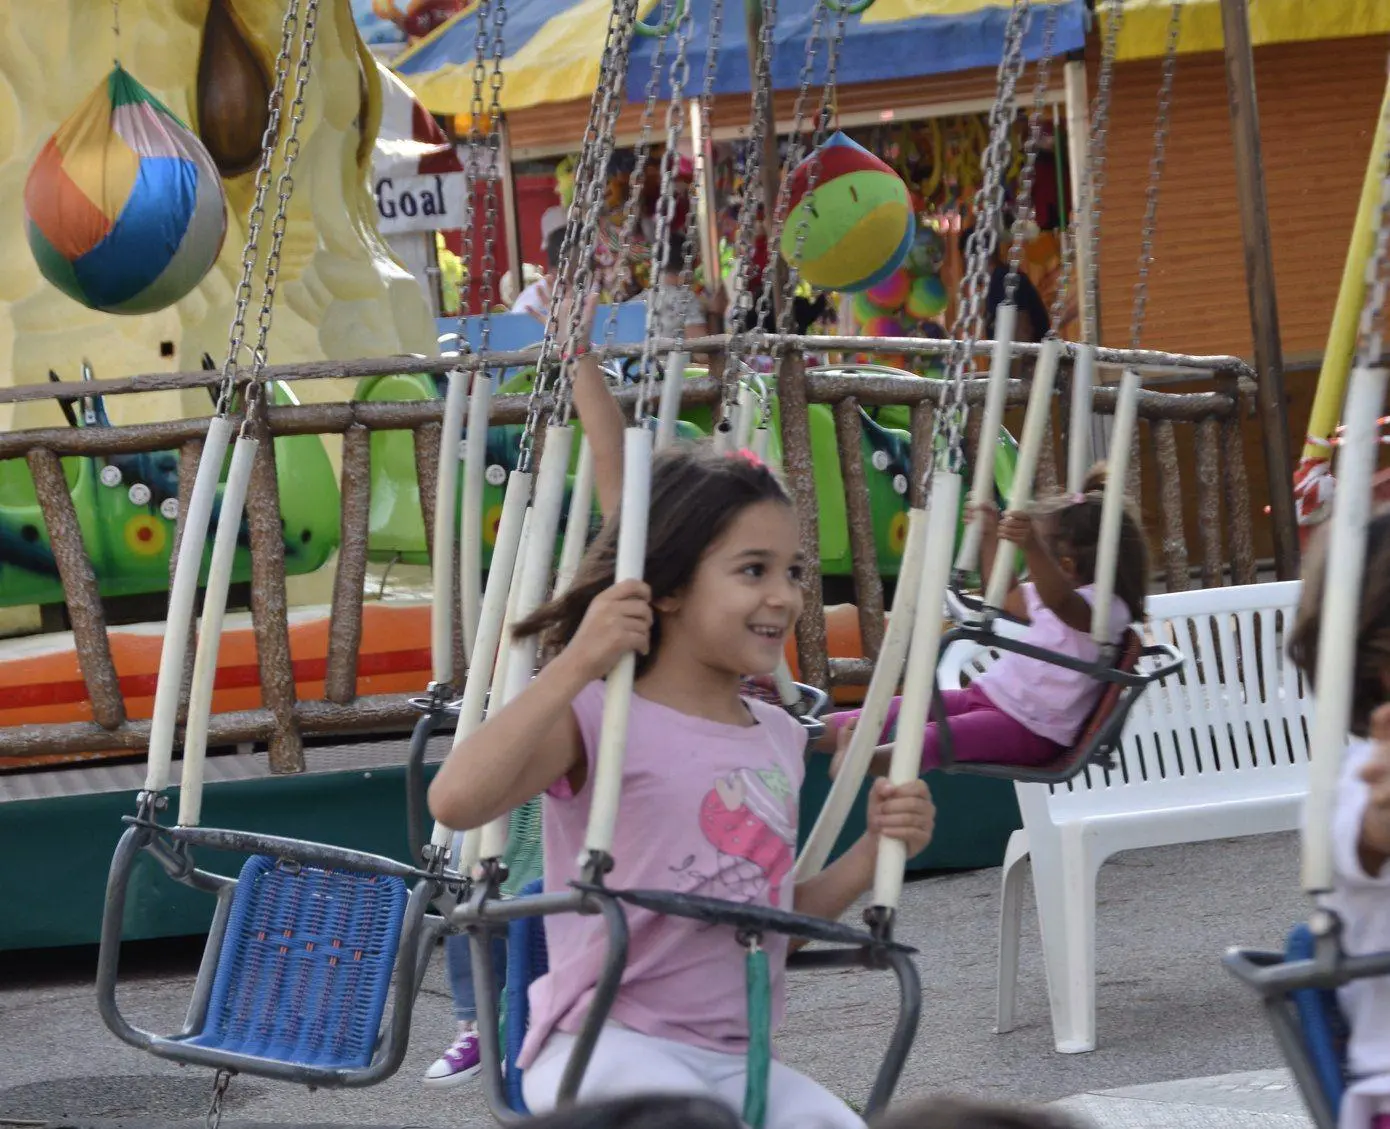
point(748, 456)
point(1078, 498)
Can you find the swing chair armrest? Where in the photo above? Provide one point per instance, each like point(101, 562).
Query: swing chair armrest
point(1164, 660)
point(299, 850)
point(750, 918)
point(1272, 974)
point(1171, 659)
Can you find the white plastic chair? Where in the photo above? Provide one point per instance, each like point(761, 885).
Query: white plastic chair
point(1217, 752)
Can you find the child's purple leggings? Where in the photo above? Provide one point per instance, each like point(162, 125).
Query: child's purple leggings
point(980, 731)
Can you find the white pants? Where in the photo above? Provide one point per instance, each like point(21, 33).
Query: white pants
point(626, 1063)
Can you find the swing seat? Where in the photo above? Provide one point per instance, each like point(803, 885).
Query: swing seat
point(305, 964)
point(808, 710)
point(527, 961)
point(1099, 738)
point(1321, 1023)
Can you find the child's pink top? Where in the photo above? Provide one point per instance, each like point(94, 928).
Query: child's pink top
point(707, 808)
point(1051, 700)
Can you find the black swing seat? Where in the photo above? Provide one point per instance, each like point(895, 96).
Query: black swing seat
point(1134, 669)
point(1298, 990)
point(300, 959)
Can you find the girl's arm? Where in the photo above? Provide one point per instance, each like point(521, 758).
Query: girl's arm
point(598, 411)
point(988, 514)
point(603, 424)
point(905, 813)
point(1053, 586)
point(532, 741)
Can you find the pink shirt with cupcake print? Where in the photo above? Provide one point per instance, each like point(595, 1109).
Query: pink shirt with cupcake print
point(707, 809)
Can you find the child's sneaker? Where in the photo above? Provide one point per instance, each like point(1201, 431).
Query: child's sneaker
point(457, 1064)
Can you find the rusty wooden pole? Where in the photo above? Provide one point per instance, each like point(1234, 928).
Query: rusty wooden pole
point(1170, 505)
point(1237, 493)
point(868, 584)
point(79, 589)
point(270, 607)
point(345, 623)
point(1209, 501)
point(793, 406)
point(1260, 287)
point(190, 455)
point(923, 421)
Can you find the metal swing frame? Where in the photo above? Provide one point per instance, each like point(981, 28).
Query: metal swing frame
point(1276, 980)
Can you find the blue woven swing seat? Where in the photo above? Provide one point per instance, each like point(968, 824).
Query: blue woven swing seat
point(305, 966)
point(1321, 1022)
point(527, 961)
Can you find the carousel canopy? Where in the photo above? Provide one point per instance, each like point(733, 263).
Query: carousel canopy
point(1145, 23)
point(554, 46)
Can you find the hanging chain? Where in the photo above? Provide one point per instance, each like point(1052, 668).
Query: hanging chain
point(495, 172)
point(588, 232)
point(796, 151)
point(1024, 212)
point(665, 212)
point(116, 27)
point(1161, 127)
point(713, 273)
point(974, 283)
point(641, 157)
point(213, 1118)
point(256, 216)
point(744, 240)
point(475, 140)
point(284, 190)
point(602, 116)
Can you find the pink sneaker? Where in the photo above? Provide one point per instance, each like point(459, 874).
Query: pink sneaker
point(459, 1063)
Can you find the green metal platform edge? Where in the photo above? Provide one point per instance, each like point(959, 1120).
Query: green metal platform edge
point(56, 852)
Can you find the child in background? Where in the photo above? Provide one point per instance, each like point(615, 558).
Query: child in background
point(710, 790)
point(1361, 822)
point(1023, 710)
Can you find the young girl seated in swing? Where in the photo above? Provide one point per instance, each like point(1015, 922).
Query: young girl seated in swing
point(710, 790)
point(1023, 710)
point(1361, 822)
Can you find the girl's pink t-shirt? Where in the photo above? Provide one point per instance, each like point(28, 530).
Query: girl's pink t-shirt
point(1051, 700)
point(708, 809)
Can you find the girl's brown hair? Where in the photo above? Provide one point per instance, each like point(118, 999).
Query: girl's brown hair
point(1071, 527)
point(696, 493)
point(1372, 656)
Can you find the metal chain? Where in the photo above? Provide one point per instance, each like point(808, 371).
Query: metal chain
point(1024, 212)
point(974, 283)
point(213, 1118)
point(713, 275)
point(482, 14)
point(744, 239)
point(116, 27)
point(588, 232)
point(1370, 346)
point(796, 151)
point(256, 216)
point(1161, 127)
point(602, 115)
point(665, 209)
point(495, 172)
point(1093, 180)
point(284, 189)
point(641, 158)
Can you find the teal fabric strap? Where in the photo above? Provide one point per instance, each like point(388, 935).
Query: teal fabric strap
point(759, 1036)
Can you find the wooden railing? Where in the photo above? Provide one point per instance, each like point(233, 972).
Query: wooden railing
point(283, 720)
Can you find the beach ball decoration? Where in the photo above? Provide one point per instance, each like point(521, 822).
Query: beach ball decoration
point(124, 208)
point(856, 227)
point(892, 293)
point(926, 298)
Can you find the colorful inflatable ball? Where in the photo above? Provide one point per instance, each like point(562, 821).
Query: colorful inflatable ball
point(892, 293)
point(124, 208)
point(926, 299)
point(854, 229)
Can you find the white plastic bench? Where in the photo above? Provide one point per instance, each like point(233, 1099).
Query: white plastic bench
point(1217, 752)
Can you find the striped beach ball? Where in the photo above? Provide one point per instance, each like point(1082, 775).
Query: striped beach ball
point(124, 208)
